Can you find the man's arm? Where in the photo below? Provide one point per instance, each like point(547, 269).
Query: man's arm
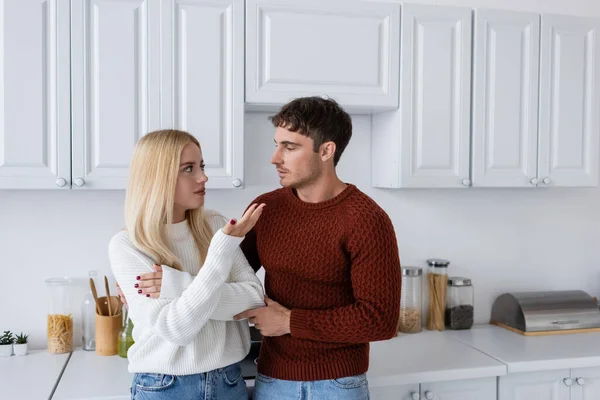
point(376, 279)
point(250, 251)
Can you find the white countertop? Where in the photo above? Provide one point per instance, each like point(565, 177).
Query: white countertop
point(90, 376)
point(31, 377)
point(533, 353)
point(427, 357)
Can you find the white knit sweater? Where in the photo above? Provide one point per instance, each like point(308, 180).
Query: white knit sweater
point(193, 332)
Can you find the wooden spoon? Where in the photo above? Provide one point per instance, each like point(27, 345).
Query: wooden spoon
point(108, 295)
point(95, 294)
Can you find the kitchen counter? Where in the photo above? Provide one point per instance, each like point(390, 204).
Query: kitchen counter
point(533, 353)
point(423, 357)
point(427, 357)
point(90, 376)
point(31, 377)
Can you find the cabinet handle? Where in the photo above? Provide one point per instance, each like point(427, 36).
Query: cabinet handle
point(415, 396)
point(428, 395)
point(79, 182)
point(236, 183)
point(580, 381)
point(568, 381)
point(61, 182)
point(546, 181)
point(466, 182)
point(534, 181)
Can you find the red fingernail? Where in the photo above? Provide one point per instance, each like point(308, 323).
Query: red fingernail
point(233, 222)
point(136, 285)
point(147, 295)
point(138, 278)
point(140, 291)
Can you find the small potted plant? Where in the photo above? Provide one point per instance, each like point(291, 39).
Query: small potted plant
point(6, 344)
point(21, 344)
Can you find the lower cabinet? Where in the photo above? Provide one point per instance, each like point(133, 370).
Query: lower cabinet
point(563, 384)
point(468, 389)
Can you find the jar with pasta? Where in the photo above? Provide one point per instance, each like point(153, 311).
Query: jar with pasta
point(437, 282)
point(60, 319)
point(410, 320)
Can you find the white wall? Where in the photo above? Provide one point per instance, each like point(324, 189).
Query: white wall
point(504, 239)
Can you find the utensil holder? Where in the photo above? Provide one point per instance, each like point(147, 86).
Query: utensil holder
point(108, 327)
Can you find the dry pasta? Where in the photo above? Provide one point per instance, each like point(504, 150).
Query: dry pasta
point(60, 333)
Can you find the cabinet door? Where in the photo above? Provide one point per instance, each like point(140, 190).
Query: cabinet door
point(115, 86)
point(203, 81)
point(569, 92)
point(347, 50)
point(398, 392)
point(469, 389)
point(435, 96)
point(505, 98)
point(547, 385)
point(585, 384)
point(35, 148)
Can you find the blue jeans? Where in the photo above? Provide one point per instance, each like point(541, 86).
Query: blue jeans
point(348, 388)
point(220, 384)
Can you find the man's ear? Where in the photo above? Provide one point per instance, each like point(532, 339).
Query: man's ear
point(327, 151)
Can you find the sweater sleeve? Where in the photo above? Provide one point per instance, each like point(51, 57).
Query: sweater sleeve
point(176, 320)
point(242, 292)
point(375, 276)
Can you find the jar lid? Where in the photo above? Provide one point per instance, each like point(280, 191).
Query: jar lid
point(438, 263)
point(412, 271)
point(459, 281)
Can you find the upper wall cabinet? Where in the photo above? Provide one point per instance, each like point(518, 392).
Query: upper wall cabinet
point(569, 133)
point(505, 98)
point(346, 50)
point(203, 82)
point(115, 86)
point(34, 94)
point(426, 143)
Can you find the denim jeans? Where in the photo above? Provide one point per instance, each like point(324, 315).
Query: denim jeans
point(347, 388)
point(220, 384)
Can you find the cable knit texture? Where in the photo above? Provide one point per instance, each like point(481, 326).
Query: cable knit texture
point(193, 332)
point(335, 264)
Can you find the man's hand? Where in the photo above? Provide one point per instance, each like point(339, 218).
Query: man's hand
point(272, 320)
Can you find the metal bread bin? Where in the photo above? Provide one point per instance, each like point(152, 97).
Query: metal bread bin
point(546, 311)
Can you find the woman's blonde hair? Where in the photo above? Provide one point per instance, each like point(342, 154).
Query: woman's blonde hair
point(150, 197)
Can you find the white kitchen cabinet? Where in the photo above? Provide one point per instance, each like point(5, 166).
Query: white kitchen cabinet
point(34, 94)
point(468, 389)
point(347, 50)
point(569, 145)
point(132, 75)
point(585, 383)
point(427, 142)
point(115, 86)
point(547, 385)
point(397, 392)
point(203, 82)
point(505, 98)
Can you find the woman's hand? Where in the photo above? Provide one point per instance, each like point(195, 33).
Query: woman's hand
point(246, 223)
point(149, 284)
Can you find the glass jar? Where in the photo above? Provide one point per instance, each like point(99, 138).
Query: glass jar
point(459, 303)
point(60, 319)
point(437, 282)
point(410, 300)
point(125, 337)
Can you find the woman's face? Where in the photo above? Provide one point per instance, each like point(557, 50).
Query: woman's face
point(191, 182)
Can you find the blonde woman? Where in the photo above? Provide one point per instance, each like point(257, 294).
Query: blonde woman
point(187, 346)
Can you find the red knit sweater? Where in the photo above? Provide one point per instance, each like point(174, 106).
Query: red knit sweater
point(335, 264)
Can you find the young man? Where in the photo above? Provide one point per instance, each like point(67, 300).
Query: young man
point(332, 269)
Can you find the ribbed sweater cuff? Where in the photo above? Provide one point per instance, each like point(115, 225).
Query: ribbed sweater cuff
point(224, 244)
point(174, 282)
point(298, 324)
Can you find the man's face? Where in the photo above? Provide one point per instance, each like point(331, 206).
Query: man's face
point(296, 162)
